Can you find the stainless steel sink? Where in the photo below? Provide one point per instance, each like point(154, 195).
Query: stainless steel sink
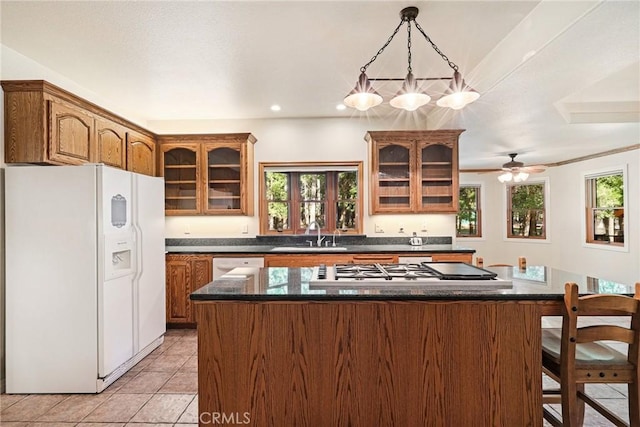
point(309, 249)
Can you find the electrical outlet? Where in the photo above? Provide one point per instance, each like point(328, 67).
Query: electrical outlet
point(401, 228)
point(423, 227)
point(379, 229)
point(244, 229)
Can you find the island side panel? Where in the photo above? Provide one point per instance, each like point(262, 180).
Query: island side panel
point(370, 363)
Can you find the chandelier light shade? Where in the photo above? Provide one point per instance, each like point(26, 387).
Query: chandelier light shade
point(363, 96)
point(410, 97)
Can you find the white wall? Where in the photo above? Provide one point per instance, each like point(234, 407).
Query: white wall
point(331, 139)
point(565, 249)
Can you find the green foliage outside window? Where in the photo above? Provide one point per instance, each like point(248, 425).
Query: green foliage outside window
point(527, 211)
point(608, 207)
point(467, 220)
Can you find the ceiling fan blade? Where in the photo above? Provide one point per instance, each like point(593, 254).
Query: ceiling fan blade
point(533, 169)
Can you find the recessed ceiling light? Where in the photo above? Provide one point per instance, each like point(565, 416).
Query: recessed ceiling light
point(275, 107)
point(341, 107)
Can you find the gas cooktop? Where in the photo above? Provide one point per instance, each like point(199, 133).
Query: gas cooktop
point(441, 275)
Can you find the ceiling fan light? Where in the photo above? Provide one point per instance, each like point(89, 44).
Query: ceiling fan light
point(363, 96)
point(505, 177)
point(459, 94)
point(409, 98)
point(520, 176)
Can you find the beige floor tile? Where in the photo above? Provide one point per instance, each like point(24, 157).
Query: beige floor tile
point(166, 363)
point(191, 365)
point(13, 423)
point(185, 425)
point(181, 382)
point(51, 424)
point(163, 408)
point(100, 425)
point(31, 407)
point(143, 363)
point(7, 400)
point(117, 385)
point(190, 415)
point(147, 425)
point(146, 382)
point(181, 349)
point(74, 408)
point(119, 408)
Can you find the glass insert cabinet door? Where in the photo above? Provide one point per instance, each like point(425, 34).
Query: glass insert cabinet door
point(181, 172)
point(436, 177)
point(392, 177)
point(224, 180)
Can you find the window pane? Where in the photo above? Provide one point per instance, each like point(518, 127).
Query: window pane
point(605, 203)
point(345, 215)
point(312, 186)
point(527, 211)
point(310, 212)
point(527, 223)
point(278, 216)
point(467, 224)
point(347, 185)
point(609, 191)
point(467, 220)
point(277, 184)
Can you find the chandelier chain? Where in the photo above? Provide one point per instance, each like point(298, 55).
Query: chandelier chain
point(409, 45)
point(451, 63)
point(364, 67)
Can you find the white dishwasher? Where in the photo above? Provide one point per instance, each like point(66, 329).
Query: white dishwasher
point(223, 265)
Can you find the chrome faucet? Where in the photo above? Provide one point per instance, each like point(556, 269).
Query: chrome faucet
point(334, 236)
point(314, 223)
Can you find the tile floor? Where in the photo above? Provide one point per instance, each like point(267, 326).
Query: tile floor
point(161, 390)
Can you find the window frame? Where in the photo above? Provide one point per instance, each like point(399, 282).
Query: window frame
point(507, 210)
point(586, 227)
point(479, 203)
point(330, 209)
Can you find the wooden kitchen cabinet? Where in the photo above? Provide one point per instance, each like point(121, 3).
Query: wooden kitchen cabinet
point(72, 134)
point(45, 124)
point(111, 143)
point(312, 260)
point(208, 174)
point(185, 274)
point(457, 257)
point(413, 171)
point(141, 153)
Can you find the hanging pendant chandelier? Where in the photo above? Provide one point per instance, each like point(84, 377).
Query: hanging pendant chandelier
point(410, 97)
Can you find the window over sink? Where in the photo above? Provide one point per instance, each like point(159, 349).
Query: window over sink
point(469, 217)
point(295, 196)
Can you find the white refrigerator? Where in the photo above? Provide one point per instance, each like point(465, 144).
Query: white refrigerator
point(85, 275)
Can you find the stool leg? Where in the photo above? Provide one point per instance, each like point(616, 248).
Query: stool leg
point(572, 406)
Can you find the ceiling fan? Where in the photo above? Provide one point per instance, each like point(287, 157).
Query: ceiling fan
point(517, 171)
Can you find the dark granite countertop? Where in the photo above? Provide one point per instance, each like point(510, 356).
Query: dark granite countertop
point(302, 249)
point(292, 284)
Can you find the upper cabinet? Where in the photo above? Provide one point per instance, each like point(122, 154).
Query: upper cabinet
point(141, 153)
point(45, 124)
point(208, 174)
point(413, 171)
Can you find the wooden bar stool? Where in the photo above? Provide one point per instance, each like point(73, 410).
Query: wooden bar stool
point(575, 356)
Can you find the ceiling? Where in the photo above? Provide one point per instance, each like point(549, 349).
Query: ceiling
point(558, 80)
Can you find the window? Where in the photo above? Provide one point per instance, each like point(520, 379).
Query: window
point(604, 197)
point(526, 211)
point(294, 196)
point(469, 218)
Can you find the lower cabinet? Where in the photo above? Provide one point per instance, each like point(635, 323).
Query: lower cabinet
point(311, 260)
point(185, 274)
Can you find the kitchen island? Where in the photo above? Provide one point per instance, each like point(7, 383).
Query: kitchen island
point(278, 351)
